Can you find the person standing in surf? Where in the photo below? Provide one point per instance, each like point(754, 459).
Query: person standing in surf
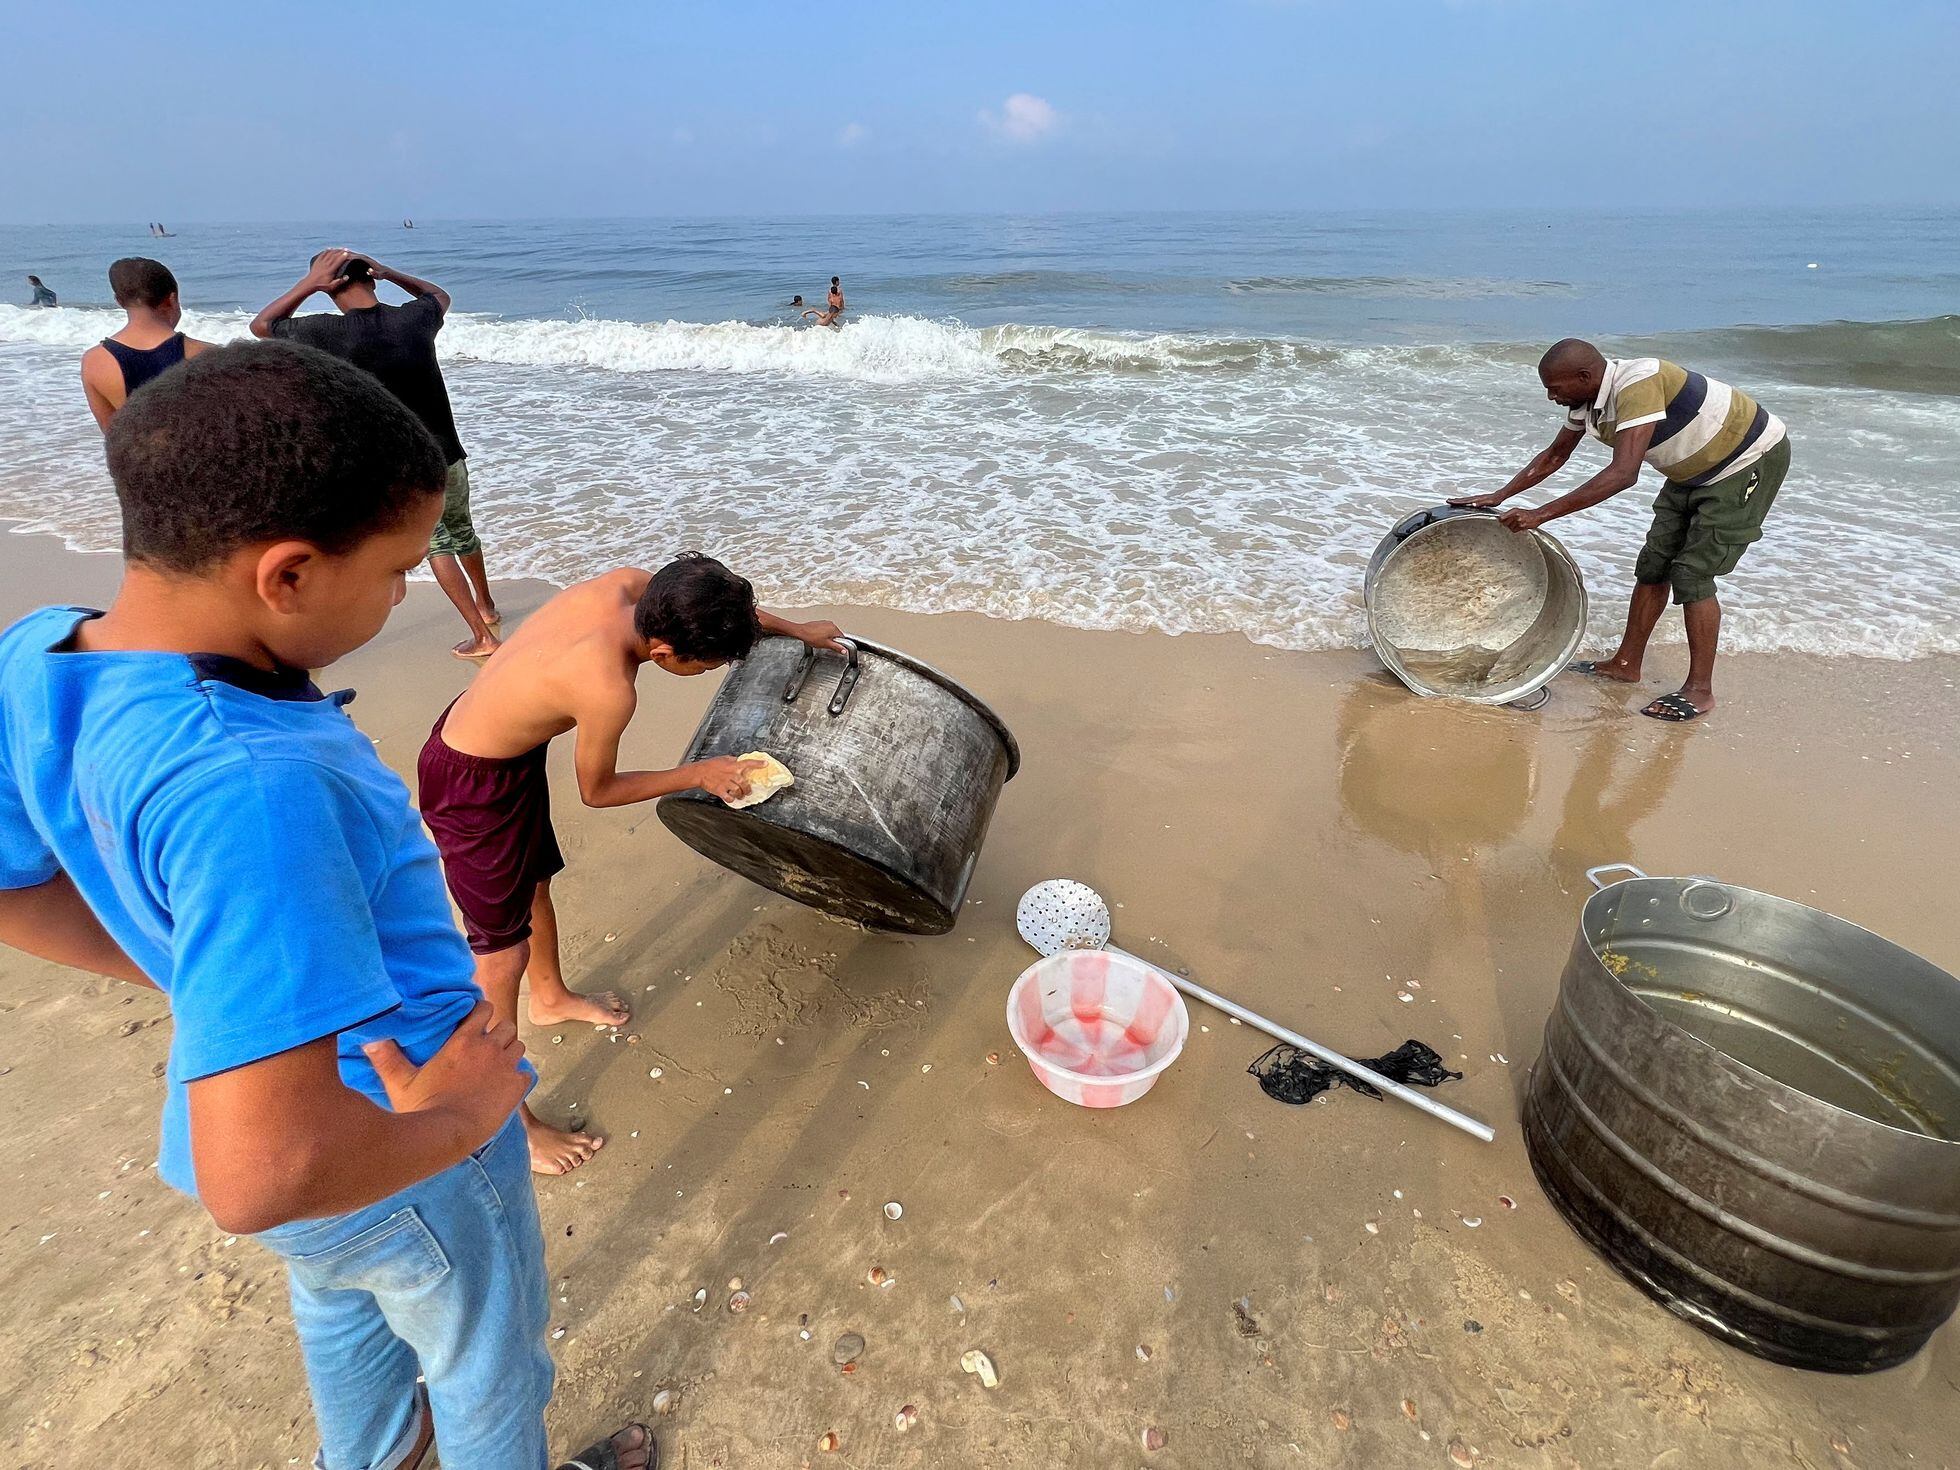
point(829, 314)
point(149, 343)
point(42, 295)
point(1723, 456)
point(398, 345)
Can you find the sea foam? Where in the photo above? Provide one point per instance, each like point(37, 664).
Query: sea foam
point(1098, 479)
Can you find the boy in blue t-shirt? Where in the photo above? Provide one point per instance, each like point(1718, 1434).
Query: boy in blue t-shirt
point(181, 808)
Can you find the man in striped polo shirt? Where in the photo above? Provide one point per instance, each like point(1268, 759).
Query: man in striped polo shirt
point(1723, 456)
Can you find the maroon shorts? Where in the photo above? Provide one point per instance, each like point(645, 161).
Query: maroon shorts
point(491, 820)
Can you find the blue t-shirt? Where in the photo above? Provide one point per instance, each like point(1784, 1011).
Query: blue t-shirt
point(240, 839)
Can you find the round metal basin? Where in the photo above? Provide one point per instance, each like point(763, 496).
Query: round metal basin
point(1752, 1108)
point(897, 766)
point(1459, 606)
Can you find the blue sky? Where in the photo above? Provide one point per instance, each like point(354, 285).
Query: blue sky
point(474, 108)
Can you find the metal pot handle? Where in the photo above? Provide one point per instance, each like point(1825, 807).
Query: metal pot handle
point(1430, 515)
point(845, 685)
point(1592, 874)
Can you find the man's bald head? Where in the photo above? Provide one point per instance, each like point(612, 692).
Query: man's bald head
point(1573, 355)
point(1572, 371)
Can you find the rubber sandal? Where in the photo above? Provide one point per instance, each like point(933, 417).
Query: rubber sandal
point(1673, 709)
point(602, 1455)
point(1590, 668)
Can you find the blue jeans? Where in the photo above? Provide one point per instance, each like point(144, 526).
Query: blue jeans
point(445, 1280)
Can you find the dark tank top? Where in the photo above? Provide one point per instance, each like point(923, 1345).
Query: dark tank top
point(140, 364)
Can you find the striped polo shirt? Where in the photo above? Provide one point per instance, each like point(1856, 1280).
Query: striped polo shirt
point(1704, 430)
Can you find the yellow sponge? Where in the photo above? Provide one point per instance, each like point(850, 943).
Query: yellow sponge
point(766, 782)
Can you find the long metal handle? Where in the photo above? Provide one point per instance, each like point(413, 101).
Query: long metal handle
point(849, 682)
point(1592, 874)
point(1333, 1058)
point(800, 675)
point(845, 684)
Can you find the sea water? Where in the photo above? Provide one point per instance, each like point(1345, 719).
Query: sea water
point(1179, 421)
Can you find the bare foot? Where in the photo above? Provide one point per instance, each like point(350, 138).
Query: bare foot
point(477, 647)
point(633, 1449)
point(492, 619)
point(1615, 669)
point(600, 1008)
point(555, 1151)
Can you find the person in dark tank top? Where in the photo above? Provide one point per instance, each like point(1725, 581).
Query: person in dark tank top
point(148, 344)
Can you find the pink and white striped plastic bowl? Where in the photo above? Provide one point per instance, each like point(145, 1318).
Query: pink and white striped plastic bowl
point(1097, 1028)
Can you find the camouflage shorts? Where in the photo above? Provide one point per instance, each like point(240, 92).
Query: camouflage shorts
point(455, 533)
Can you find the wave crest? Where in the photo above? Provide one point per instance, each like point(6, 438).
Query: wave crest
point(1907, 356)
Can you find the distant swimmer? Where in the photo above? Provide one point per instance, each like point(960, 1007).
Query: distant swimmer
point(1723, 457)
point(836, 297)
point(42, 295)
point(408, 224)
point(149, 343)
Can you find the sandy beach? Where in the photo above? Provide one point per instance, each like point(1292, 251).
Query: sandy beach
point(1339, 1284)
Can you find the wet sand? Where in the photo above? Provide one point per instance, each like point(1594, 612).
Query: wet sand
point(1295, 828)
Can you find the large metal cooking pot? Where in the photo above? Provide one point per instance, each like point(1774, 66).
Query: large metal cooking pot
point(1460, 606)
point(1752, 1108)
point(897, 771)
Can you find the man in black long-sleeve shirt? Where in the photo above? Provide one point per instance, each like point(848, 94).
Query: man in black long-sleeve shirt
point(398, 345)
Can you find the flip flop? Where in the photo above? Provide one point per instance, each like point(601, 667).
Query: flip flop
point(1673, 709)
point(1590, 668)
point(602, 1455)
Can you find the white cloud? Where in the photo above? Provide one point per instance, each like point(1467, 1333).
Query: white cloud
point(1023, 118)
point(852, 134)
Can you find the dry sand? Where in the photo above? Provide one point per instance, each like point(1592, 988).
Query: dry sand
point(1406, 841)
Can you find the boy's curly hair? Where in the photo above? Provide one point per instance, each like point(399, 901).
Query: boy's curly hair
point(700, 609)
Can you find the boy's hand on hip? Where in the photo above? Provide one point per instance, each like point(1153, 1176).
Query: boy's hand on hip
point(473, 1076)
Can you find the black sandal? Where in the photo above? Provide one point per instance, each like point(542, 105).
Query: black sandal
point(1590, 668)
point(1674, 709)
point(602, 1455)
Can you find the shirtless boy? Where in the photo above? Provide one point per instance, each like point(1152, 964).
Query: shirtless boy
point(483, 788)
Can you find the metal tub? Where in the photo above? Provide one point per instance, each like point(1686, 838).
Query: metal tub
point(897, 772)
point(1751, 1108)
point(1460, 606)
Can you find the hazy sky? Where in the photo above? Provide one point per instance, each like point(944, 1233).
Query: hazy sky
point(475, 108)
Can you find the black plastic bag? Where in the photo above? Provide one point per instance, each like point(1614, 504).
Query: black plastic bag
point(1290, 1075)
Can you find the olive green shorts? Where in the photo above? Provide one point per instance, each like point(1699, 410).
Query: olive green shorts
point(1700, 533)
point(455, 533)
